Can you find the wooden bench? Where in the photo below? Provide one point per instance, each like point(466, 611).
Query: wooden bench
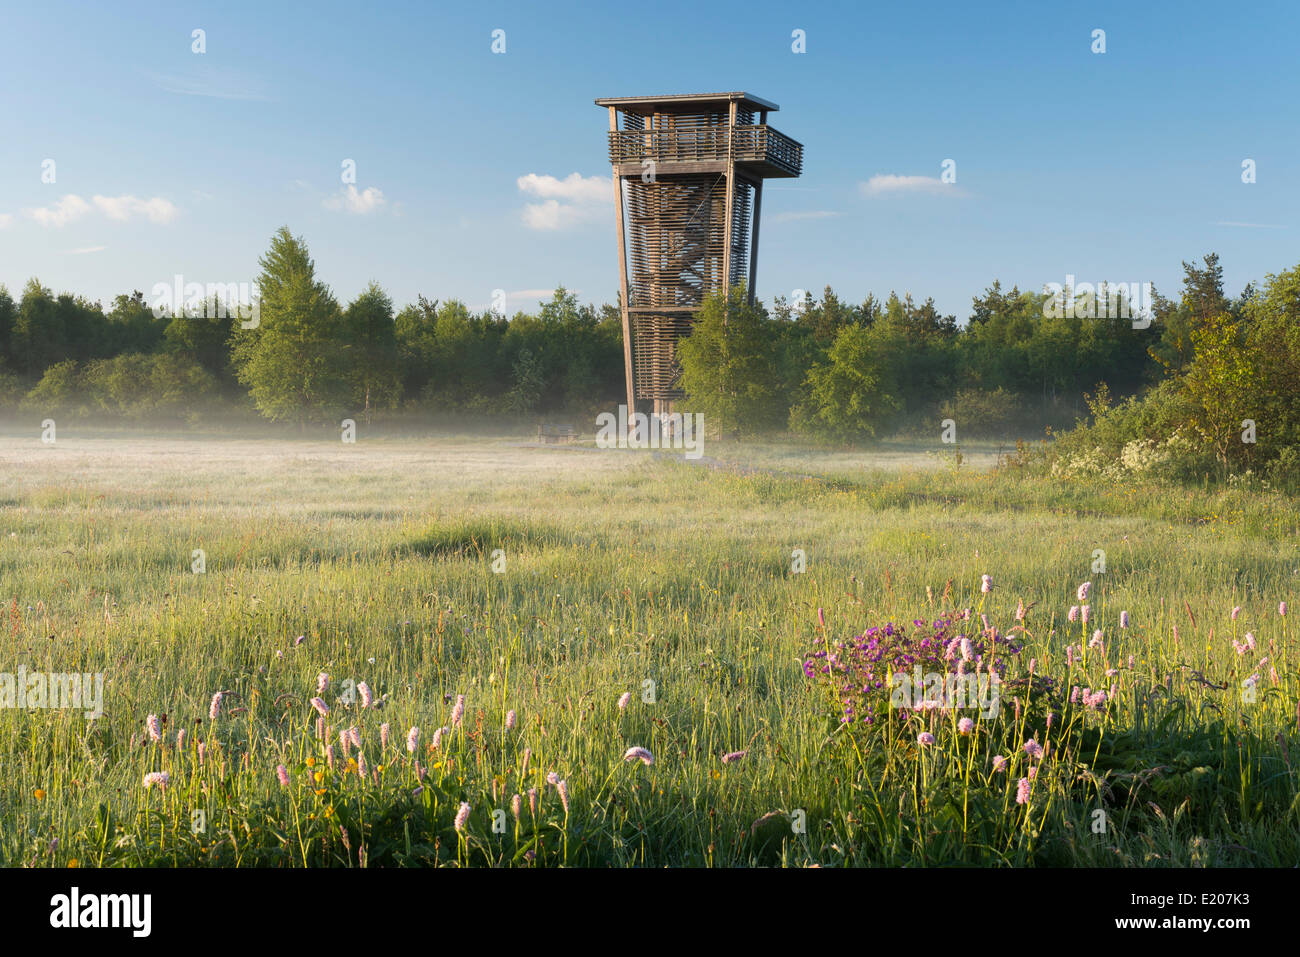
point(549, 434)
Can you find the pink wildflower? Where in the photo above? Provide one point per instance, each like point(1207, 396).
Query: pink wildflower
point(639, 754)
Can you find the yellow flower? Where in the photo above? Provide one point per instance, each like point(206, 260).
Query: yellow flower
point(311, 761)
point(74, 863)
point(319, 776)
point(40, 794)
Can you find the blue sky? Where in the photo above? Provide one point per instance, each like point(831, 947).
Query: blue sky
point(1111, 166)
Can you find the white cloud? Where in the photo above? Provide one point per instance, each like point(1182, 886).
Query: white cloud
point(67, 209)
point(354, 201)
point(883, 184)
point(86, 249)
point(552, 215)
point(565, 202)
point(125, 208)
point(574, 187)
point(5, 220)
point(121, 208)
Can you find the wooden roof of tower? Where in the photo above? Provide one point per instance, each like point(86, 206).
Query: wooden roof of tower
point(686, 102)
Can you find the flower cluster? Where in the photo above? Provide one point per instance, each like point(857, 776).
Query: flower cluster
point(859, 670)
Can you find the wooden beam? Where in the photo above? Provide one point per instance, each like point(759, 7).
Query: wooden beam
point(622, 281)
point(753, 239)
point(731, 196)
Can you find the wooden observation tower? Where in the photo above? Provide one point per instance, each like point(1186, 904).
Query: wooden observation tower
point(688, 189)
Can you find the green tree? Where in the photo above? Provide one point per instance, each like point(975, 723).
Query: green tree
point(1222, 384)
point(203, 339)
point(371, 336)
point(847, 398)
point(731, 367)
point(38, 339)
point(8, 315)
point(291, 360)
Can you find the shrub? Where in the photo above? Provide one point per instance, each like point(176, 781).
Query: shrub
point(982, 412)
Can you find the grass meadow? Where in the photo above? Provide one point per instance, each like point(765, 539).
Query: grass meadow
point(601, 601)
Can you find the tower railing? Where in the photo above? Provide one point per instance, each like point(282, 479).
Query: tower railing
point(753, 144)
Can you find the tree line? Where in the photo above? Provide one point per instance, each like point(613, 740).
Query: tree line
point(821, 368)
